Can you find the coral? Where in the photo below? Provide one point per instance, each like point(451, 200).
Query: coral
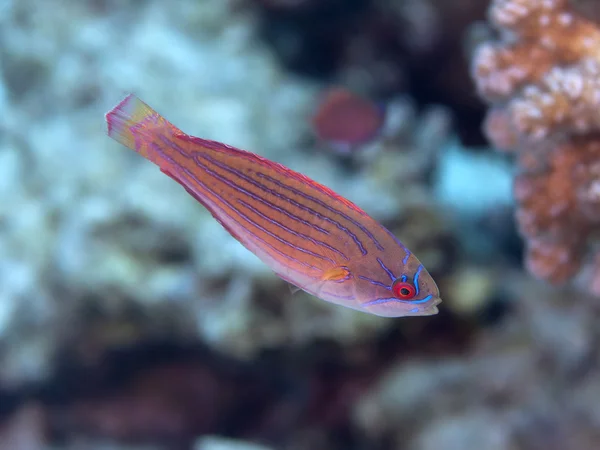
point(130, 319)
point(542, 78)
point(558, 223)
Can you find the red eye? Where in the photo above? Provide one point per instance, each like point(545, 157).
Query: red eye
point(403, 290)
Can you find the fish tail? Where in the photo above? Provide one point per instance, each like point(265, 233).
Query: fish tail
point(133, 123)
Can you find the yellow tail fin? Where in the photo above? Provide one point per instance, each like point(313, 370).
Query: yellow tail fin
point(132, 117)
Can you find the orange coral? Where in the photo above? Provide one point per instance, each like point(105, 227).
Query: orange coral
point(542, 79)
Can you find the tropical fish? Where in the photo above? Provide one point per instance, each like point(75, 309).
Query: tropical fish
point(307, 234)
point(346, 121)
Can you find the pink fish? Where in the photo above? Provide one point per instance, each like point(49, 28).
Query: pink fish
point(307, 234)
point(346, 120)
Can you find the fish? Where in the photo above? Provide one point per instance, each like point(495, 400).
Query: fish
point(346, 121)
point(307, 234)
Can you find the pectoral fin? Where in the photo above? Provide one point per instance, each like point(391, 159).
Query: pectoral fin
point(337, 274)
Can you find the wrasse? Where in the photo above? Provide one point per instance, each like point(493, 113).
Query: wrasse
point(307, 234)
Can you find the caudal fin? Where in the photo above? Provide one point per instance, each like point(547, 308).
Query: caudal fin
point(133, 118)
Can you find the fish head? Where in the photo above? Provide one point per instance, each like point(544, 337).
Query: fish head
point(399, 288)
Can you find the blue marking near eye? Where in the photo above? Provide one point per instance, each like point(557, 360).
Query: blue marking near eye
point(389, 272)
point(404, 278)
point(375, 282)
point(416, 279)
point(386, 300)
point(418, 302)
point(405, 260)
point(414, 310)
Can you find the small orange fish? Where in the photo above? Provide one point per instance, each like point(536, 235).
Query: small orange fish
point(346, 120)
point(307, 234)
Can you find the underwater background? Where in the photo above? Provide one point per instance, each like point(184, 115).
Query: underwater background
point(131, 320)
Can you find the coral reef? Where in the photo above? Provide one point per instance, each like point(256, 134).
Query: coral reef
point(542, 78)
point(130, 320)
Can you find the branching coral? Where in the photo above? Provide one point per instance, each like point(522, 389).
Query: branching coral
point(542, 78)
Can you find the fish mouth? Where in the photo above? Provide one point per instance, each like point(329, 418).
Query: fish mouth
point(430, 311)
point(433, 309)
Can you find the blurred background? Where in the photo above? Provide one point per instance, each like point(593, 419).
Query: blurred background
point(130, 320)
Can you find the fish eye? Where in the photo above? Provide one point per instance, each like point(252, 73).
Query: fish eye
point(403, 290)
